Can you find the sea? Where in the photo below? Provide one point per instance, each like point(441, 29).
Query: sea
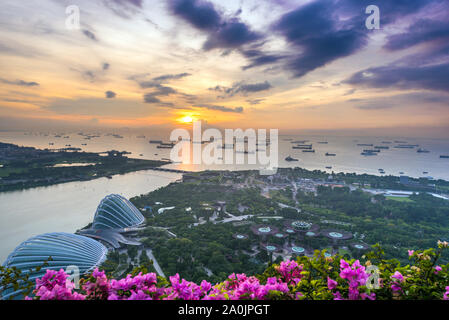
point(70, 206)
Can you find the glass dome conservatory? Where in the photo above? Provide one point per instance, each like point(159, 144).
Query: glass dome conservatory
point(65, 249)
point(116, 212)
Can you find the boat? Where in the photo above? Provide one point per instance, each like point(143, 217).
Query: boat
point(365, 144)
point(425, 172)
point(372, 150)
point(51, 144)
point(386, 142)
point(170, 144)
point(328, 167)
point(369, 153)
point(140, 137)
point(407, 146)
point(330, 154)
point(382, 147)
point(290, 159)
point(323, 142)
point(309, 150)
point(156, 141)
point(382, 171)
point(300, 141)
point(421, 150)
point(402, 172)
point(164, 147)
point(444, 157)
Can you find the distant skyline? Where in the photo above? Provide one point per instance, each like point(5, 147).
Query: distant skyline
point(292, 65)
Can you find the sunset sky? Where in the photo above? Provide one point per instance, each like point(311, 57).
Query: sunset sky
point(235, 63)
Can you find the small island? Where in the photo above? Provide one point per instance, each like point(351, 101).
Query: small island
point(28, 167)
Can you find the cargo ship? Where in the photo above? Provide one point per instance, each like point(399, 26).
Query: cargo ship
point(290, 159)
point(372, 150)
point(444, 157)
point(407, 146)
point(369, 153)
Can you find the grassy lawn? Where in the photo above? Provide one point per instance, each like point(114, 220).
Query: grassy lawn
point(400, 199)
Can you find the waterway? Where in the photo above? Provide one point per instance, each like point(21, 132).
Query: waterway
point(66, 207)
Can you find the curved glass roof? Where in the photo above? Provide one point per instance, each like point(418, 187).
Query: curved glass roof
point(65, 249)
point(116, 212)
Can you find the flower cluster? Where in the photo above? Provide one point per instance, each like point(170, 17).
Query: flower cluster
point(356, 277)
point(290, 271)
point(55, 285)
point(306, 278)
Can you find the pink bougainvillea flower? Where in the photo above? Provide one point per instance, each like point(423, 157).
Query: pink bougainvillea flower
point(331, 284)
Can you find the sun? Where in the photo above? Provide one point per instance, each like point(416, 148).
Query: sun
point(186, 119)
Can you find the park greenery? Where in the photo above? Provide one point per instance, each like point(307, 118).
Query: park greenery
point(196, 238)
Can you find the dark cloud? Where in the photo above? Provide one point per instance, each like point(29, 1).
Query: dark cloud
point(422, 31)
point(160, 89)
point(434, 77)
point(317, 33)
point(21, 83)
point(259, 58)
point(110, 94)
point(223, 32)
point(231, 34)
point(200, 14)
point(242, 88)
point(89, 75)
point(89, 34)
point(166, 77)
point(323, 31)
point(221, 108)
point(153, 97)
point(157, 81)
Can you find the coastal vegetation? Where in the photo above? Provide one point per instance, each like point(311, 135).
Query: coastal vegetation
point(26, 167)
